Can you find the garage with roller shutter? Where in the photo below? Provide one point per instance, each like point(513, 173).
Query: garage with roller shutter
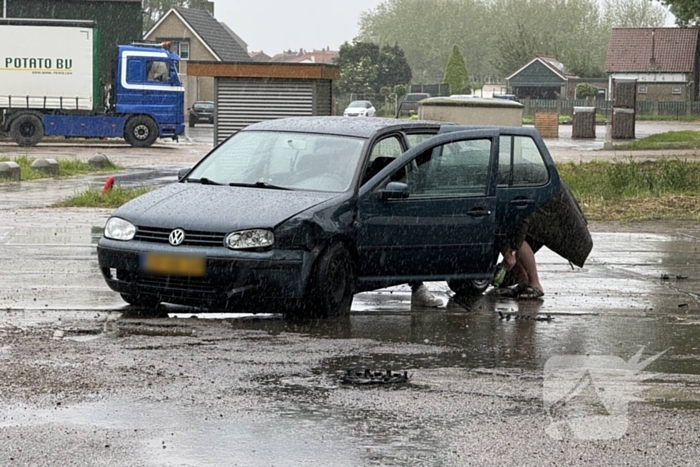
point(247, 93)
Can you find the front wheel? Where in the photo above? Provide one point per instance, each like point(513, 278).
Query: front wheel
point(27, 130)
point(141, 131)
point(468, 287)
point(147, 301)
point(332, 284)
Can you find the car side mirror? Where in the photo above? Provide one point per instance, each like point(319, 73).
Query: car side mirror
point(182, 173)
point(395, 190)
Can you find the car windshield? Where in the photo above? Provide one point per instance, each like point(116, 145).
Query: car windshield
point(361, 104)
point(199, 106)
point(284, 160)
point(416, 97)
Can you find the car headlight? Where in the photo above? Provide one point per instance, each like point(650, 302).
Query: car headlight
point(256, 238)
point(119, 229)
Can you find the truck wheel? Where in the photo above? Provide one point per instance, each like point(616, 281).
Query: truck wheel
point(331, 285)
point(27, 130)
point(141, 131)
point(468, 287)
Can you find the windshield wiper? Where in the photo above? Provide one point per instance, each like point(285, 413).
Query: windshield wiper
point(259, 184)
point(203, 181)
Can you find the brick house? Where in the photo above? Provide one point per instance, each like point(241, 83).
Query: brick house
point(197, 35)
point(663, 61)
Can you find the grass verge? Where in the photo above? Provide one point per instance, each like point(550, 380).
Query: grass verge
point(67, 168)
point(112, 199)
point(633, 191)
point(669, 140)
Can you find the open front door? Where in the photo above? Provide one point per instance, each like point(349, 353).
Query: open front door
point(431, 213)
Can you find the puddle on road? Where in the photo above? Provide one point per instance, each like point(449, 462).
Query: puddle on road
point(170, 435)
point(617, 304)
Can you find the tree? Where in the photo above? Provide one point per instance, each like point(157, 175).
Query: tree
point(585, 90)
point(154, 9)
point(573, 31)
point(400, 91)
point(366, 67)
point(634, 13)
point(427, 30)
point(497, 37)
point(687, 12)
point(456, 74)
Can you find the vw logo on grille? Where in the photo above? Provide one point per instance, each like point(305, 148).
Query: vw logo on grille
point(176, 237)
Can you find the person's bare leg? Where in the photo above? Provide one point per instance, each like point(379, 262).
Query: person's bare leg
point(526, 258)
point(521, 275)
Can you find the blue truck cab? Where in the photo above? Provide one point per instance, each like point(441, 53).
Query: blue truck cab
point(148, 90)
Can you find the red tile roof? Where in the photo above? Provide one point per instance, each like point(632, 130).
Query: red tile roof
point(652, 50)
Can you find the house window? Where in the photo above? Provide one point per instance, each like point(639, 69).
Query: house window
point(676, 90)
point(184, 51)
point(642, 90)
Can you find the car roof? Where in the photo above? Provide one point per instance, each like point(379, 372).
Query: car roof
point(342, 126)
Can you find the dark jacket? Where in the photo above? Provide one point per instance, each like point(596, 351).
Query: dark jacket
point(560, 225)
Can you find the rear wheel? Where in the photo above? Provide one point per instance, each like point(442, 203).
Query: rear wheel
point(332, 284)
point(141, 131)
point(27, 130)
point(468, 287)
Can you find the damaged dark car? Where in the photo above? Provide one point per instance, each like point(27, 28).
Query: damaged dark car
point(302, 213)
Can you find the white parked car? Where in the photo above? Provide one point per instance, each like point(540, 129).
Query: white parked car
point(360, 109)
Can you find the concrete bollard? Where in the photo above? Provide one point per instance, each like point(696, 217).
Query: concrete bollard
point(98, 161)
point(10, 171)
point(48, 166)
point(608, 143)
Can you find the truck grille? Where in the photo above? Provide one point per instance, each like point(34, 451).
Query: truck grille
point(192, 237)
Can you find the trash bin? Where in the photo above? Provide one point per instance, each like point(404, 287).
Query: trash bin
point(623, 124)
point(583, 124)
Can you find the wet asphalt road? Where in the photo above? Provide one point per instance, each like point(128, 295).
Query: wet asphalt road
point(85, 381)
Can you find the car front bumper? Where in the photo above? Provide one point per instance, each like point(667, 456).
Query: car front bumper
point(230, 276)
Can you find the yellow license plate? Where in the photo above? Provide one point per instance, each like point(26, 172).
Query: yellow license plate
point(174, 265)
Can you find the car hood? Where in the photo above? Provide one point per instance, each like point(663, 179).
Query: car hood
point(213, 208)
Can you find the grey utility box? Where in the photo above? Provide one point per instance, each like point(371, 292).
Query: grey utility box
point(583, 124)
point(623, 124)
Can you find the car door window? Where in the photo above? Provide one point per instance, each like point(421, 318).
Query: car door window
point(417, 138)
point(383, 153)
point(460, 168)
point(520, 162)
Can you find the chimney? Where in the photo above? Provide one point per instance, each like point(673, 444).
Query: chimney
point(652, 60)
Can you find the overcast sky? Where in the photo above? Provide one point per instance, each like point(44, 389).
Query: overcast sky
point(274, 26)
point(277, 25)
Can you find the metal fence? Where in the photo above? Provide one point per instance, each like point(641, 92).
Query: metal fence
point(565, 107)
point(604, 107)
point(434, 90)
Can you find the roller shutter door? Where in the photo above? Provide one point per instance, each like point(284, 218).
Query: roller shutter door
point(242, 102)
